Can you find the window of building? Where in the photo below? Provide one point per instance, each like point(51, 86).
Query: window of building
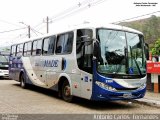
point(64, 43)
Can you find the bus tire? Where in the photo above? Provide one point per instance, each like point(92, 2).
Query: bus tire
point(66, 92)
point(22, 81)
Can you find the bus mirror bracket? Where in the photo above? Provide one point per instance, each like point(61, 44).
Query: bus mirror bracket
point(96, 48)
point(86, 40)
point(147, 51)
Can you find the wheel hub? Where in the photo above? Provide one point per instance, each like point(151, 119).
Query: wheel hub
point(67, 91)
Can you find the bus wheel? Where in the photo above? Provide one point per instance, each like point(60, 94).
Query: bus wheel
point(22, 81)
point(66, 91)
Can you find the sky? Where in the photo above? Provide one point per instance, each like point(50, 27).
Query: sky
point(34, 13)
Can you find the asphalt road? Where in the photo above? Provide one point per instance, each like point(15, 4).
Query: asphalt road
point(35, 100)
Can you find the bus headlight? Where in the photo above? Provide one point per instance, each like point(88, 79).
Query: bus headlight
point(105, 86)
point(142, 86)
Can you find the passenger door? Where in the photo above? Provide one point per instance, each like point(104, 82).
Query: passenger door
point(84, 52)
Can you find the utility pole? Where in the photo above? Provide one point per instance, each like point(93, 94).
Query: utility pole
point(47, 22)
point(29, 29)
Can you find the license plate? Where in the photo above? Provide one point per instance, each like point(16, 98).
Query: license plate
point(127, 95)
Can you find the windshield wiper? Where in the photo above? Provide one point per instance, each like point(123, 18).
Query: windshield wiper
point(139, 70)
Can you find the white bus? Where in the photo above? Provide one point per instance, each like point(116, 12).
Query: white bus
point(95, 62)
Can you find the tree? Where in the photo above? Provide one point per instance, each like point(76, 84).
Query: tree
point(150, 27)
point(156, 49)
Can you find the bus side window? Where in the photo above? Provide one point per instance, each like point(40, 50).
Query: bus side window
point(27, 49)
point(69, 41)
point(13, 50)
point(48, 45)
point(19, 50)
point(51, 44)
point(45, 46)
point(64, 43)
point(34, 47)
point(59, 49)
point(37, 47)
point(60, 40)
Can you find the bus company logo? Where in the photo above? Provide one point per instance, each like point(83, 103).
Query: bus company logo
point(47, 63)
point(51, 63)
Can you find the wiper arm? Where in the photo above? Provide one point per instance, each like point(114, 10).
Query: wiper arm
point(139, 70)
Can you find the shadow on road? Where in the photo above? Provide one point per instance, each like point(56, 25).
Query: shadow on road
point(4, 78)
point(95, 105)
point(103, 105)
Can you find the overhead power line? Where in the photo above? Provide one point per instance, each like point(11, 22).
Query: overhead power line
point(135, 17)
point(70, 11)
point(4, 21)
point(35, 31)
point(71, 8)
point(12, 30)
point(65, 11)
point(79, 7)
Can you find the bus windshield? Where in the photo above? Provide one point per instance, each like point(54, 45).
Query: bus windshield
point(4, 60)
point(122, 54)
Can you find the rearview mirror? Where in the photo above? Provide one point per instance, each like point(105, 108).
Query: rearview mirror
point(147, 51)
point(97, 50)
point(86, 40)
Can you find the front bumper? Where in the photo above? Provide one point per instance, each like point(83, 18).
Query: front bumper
point(100, 94)
point(4, 73)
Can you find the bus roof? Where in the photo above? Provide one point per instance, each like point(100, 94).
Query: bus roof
point(85, 26)
point(108, 26)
